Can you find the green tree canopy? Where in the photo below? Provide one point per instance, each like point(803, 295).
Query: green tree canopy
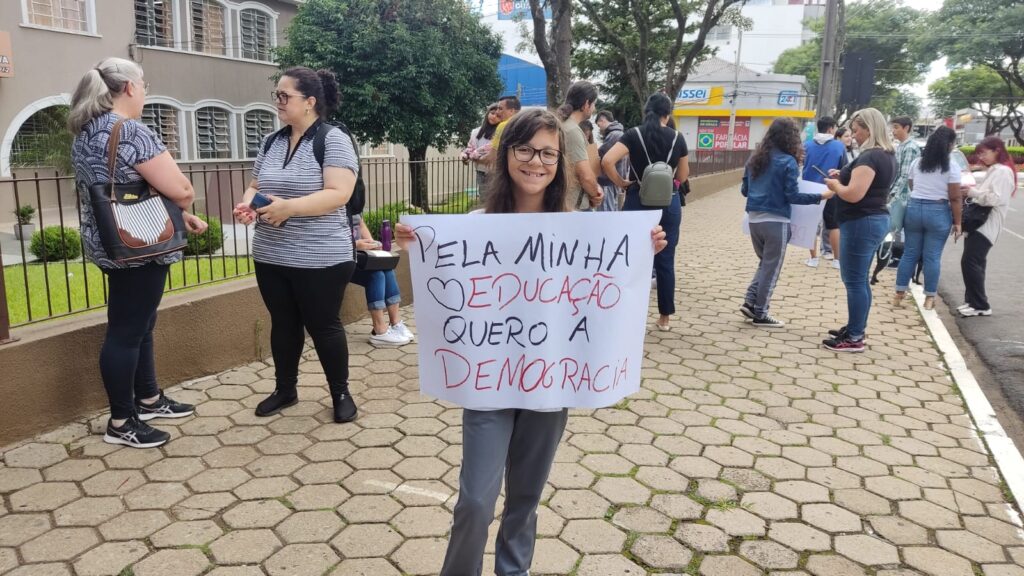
point(987, 33)
point(415, 73)
point(639, 47)
point(884, 28)
point(983, 90)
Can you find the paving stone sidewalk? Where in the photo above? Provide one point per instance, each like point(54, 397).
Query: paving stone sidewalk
point(747, 452)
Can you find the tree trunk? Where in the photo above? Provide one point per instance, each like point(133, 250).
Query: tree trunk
point(554, 52)
point(420, 195)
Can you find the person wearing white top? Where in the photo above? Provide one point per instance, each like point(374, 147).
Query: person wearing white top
point(995, 191)
point(932, 211)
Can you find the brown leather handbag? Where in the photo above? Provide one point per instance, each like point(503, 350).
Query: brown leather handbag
point(134, 221)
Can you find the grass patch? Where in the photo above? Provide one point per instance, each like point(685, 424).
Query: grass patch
point(78, 286)
point(886, 439)
point(457, 203)
point(126, 571)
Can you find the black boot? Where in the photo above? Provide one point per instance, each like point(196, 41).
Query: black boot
point(277, 400)
point(344, 407)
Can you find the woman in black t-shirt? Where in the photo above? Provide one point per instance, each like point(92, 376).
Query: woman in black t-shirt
point(862, 188)
point(661, 142)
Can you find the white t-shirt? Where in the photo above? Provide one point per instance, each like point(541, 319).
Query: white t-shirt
point(933, 185)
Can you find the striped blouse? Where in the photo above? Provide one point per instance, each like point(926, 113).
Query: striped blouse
point(304, 241)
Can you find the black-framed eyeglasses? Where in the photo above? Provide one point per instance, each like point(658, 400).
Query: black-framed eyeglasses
point(525, 153)
point(281, 97)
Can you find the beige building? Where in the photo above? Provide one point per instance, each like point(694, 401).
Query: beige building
point(208, 63)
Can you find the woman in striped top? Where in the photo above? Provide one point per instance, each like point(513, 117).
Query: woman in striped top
point(303, 245)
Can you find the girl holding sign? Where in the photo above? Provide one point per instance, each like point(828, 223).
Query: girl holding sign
point(531, 175)
point(771, 186)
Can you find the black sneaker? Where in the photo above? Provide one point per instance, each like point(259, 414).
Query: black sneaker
point(275, 402)
point(837, 333)
point(135, 433)
point(344, 408)
point(748, 311)
point(767, 321)
point(844, 344)
point(164, 407)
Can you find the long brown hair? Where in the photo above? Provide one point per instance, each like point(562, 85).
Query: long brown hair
point(783, 135)
point(520, 130)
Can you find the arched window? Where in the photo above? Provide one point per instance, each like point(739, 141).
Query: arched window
point(43, 140)
point(163, 120)
point(154, 23)
point(213, 133)
point(209, 26)
point(257, 33)
point(258, 123)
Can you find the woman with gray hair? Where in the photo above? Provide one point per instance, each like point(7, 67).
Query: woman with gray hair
point(111, 95)
point(862, 188)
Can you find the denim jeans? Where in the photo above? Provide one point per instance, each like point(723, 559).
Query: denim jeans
point(926, 226)
point(858, 241)
point(381, 288)
point(664, 261)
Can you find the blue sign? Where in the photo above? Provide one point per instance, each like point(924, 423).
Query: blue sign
point(788, 97)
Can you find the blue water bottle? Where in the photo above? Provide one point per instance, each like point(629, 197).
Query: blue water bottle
point(385, 236)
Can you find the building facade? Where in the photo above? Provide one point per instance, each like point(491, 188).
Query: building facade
point(776, 26)
point(704, 105)
point(209, 65)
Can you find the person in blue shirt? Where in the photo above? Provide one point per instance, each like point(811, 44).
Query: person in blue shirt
point(770, 184)
point(825, 152)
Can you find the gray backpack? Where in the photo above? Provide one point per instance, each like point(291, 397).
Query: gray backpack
point(656, 185)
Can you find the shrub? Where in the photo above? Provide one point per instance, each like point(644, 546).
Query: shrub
point(25, 214)
point(208, 242)
point(55, 243)
point(390, 212)
point(1016, 153)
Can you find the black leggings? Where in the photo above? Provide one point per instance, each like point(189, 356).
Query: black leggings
point(972, 266)
point(126, 359)
point(307, 298)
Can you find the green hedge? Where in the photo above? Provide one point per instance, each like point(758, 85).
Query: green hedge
point(55, 243)
point(1013, 150)
point(208, 242)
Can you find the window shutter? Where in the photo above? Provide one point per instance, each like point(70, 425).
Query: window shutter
point(163, 120)
point(208, 27)
point(154, 23)
point(258, 123)
point(255, 34)
point(63, 14)
point(213, 133)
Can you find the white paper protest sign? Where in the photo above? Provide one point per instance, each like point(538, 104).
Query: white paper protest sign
point(803, 218)
point(531, 310)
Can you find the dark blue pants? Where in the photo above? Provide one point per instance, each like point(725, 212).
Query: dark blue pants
point(859, 240)
point(664, 261)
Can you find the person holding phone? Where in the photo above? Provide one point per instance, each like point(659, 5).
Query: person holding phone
point(824, 152)
point(302, 246)
point(771, 186)
point(863, 189)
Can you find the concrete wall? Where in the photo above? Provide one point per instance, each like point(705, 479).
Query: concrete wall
point(51, 376)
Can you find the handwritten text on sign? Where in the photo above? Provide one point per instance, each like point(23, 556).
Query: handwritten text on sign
point(531, 310)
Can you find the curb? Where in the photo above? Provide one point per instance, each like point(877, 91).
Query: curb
point(1008, 458)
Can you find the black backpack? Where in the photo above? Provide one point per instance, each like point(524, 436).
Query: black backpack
point(358, 200)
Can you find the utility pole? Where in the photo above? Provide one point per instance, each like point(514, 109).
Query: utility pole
point(735, 92)
point(829, 60)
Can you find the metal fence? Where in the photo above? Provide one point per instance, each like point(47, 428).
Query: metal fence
point(39, 286)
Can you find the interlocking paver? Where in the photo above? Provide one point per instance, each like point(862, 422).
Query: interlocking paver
point(767, 454)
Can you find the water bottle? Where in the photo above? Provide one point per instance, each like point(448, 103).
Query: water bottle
point(385, 236)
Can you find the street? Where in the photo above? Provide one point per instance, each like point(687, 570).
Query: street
point(998, 340)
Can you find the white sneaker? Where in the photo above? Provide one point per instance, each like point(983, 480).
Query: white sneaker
point(389, 338)
point(835, 264)
point(969, 311)
point(963, 306)
point(812, 262)
point(829, 256)
point(403, 331)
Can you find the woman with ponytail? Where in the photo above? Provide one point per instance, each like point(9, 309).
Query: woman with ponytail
point(655, 141)
point(302, 246)
point(113, 91)
point(579, 104)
